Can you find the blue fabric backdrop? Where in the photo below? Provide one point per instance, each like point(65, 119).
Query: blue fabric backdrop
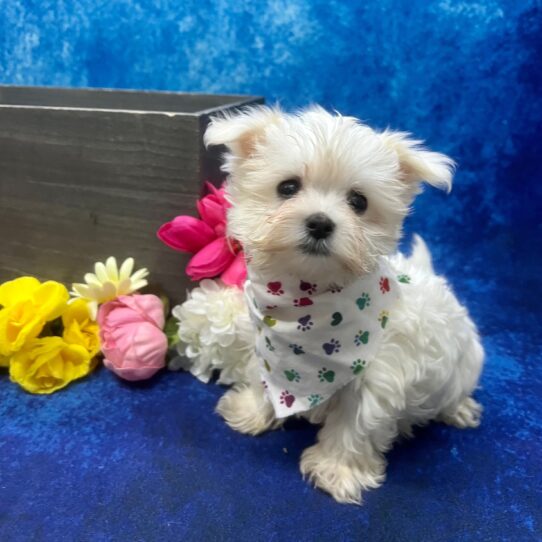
point(104, 460)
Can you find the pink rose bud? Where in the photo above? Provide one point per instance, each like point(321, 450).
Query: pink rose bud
point(133, 343)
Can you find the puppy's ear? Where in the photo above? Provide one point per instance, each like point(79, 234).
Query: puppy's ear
point(419, 164)
point(241, 131)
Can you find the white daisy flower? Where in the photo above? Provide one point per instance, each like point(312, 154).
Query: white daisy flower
point(108, 282)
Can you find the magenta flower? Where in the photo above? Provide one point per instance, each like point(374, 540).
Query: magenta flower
point(214, 254)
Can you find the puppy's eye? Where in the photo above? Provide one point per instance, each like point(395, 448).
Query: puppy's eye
point(358, 202)
point(289, 188)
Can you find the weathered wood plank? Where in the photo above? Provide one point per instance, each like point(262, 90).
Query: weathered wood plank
point(79, 185)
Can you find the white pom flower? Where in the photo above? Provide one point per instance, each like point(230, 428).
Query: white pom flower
point(108, 282)
point(215, 332)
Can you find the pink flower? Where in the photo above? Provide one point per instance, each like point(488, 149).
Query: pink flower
point(133, 343)
point(214, 254)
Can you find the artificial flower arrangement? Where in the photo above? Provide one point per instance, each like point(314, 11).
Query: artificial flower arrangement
point(49, 338)
point(214, 331)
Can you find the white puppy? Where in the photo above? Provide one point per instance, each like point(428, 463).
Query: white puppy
point(323, 197)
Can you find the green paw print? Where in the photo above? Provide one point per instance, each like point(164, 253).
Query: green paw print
point(292, 375)
point(315, 399)
point(383, 318)
point(405, 279)
point(326, 375)
point(269, 321)
point(269, 345)
point(358, 366)
point(363, 301)
point(267, 366)
point(362, 337)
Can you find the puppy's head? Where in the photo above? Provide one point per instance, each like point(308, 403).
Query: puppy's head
point(317, 194)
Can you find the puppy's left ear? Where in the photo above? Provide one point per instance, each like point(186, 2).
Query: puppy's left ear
point(418, 164)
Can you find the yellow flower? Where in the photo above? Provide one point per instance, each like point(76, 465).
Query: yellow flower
point(79, 328)
point(48, 364)
point(27, 306)
point(108, 282)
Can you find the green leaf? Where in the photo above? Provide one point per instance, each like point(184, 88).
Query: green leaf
point(171, 330)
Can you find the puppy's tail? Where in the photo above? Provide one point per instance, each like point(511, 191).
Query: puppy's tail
point(421, 257)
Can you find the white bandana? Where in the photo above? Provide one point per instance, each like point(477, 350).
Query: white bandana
point(313, 339)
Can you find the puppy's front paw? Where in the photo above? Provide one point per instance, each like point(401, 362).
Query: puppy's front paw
point(344, 477)
point(246, 411)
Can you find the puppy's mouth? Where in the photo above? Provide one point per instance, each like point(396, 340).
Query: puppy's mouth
point(315, 247)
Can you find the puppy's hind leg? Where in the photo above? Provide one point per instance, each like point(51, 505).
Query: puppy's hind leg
point(247, 410)
point(466, 414)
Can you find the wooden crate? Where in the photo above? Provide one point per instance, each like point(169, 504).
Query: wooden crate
point(86, 174)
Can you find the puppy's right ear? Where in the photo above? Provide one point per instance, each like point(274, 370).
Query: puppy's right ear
point(241, 131)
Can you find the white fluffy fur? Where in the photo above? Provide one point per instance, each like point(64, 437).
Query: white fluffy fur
point(430, 357)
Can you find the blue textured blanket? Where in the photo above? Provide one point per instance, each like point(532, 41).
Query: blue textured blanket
point(105, 460)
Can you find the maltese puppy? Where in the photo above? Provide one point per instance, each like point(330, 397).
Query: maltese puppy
point(347, 333)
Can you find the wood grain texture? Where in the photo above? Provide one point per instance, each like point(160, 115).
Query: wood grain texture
point(79, 185)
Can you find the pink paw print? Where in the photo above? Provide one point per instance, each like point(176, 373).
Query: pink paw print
point(384, 285)
point(302, 302)
point(307, 287)
point(286, 398)
point(275, 288)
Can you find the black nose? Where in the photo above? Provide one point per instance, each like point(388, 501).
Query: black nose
point(319, 226)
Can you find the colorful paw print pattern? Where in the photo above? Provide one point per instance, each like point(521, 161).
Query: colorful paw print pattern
point(296, 349)
point(362, 337)
point(292, 375)
point(332, 347)
point(326, 375)
point(384, 284)
point(315, 338)
point(358, 366)
point(314, 399)
point(286, 398)
point(275, 288)
point(269, 321)
point(336, 319)
point(335, 289)
point(305, 323)
point(269, 344)
point(363, 301)
point(303, 302)
point(308, 287)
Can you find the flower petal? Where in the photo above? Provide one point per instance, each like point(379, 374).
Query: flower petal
point(137, 285)
point(139, 274)
point(81, 290)
point(236, 273)
point(17, 290)
point(112, 268)
point(211, 260)
point(212, 210)
point(91, 278)
point(186, 233)
point(126, 269)
point(101, 272)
